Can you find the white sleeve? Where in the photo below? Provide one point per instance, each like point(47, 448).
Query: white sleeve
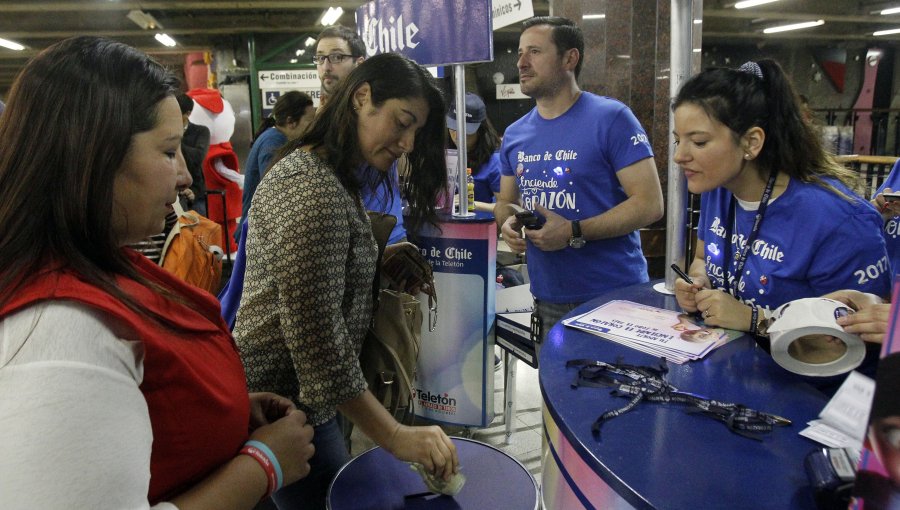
point(228, 173)
point(74, 426)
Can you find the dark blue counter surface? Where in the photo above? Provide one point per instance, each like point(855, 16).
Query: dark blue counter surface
point(375, 480)
point(657, 456)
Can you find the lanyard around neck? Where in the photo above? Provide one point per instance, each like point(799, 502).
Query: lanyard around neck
point(743, 252)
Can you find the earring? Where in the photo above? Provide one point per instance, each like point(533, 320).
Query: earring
point(748, 156)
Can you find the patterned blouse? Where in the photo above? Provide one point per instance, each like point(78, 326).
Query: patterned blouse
point(307, 298)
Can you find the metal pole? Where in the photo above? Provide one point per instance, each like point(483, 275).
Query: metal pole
point(680, 69)
point(459, 78)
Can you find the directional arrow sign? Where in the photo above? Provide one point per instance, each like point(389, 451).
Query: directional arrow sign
point(507, 12)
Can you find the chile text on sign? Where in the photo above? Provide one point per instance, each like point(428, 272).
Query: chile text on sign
point(431, 32)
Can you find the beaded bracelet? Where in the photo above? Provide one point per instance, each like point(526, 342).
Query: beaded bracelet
point(266, 458)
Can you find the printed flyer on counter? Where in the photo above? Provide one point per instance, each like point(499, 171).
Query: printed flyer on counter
point(676, 335)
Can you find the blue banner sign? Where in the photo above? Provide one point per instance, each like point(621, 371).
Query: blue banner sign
point(431, 32)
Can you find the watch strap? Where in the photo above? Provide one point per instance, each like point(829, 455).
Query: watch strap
point(576, 229)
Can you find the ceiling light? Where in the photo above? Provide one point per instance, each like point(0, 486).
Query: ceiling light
point(892, 10)
point(887, 32)
point(331, 16)
point(293, 61)
point(143, 20)
point(11, 45)
point(795, 26)
point(752, 3)
point(165, 40)
point(698, 21)
point(698, 50)
point(299, 52)
point(594, 16)
point(309, 41)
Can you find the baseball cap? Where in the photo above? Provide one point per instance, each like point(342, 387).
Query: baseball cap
point(475, 113)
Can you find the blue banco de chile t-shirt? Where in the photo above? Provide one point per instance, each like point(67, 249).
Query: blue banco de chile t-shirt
point(892, 226)
point(811, 242)
point(568, 165)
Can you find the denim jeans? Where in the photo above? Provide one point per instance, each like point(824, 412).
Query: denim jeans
point(331, 453)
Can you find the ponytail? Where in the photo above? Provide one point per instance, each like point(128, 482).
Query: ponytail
point(759, 94)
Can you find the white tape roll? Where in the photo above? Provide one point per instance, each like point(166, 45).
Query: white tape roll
point(795, 320)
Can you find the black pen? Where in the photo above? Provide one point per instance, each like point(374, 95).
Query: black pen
point(682, 274)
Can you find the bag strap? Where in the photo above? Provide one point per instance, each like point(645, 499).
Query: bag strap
point(407, 381)
point(176, 228)
point(382, 226)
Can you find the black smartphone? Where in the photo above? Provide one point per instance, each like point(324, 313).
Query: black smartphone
point(529, 220)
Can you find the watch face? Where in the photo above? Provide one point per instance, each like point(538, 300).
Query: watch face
point(576, 242)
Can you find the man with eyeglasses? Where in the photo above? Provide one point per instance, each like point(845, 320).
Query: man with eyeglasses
point(338, 51)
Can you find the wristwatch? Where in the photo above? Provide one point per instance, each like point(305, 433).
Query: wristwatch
point(577, 240)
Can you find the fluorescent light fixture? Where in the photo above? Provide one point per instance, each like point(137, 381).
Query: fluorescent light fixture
point(887, 32)
point(698, 21)
point(892, 10)
point(165, 40)
point(752, 3)
point(697, 50)
point(309, 41)
point(594, 16)
point(11, 45)
point(331, 16)
point(143, 20)
point(300, 52)
point(795, 26)
point(293, 61)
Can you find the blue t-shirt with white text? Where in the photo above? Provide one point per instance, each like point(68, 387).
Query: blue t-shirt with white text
point(569, 165)
point(811, 242)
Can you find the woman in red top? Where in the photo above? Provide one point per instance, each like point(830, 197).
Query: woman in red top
point(120, 386)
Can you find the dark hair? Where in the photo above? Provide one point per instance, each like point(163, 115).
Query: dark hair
point(85, 98)
point(741, 100)
point(486, 144)
point(564, 33)
point(357, 47)
point(185, 103)
point(335, 130)
point(289, 107)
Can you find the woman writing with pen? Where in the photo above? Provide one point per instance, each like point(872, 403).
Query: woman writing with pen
point(778, 221)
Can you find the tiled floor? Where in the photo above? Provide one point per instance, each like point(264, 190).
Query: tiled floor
point(525, 441)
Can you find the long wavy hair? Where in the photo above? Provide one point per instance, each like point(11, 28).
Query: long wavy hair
point(335, 131)
point(741, 100)
point(69, 122)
